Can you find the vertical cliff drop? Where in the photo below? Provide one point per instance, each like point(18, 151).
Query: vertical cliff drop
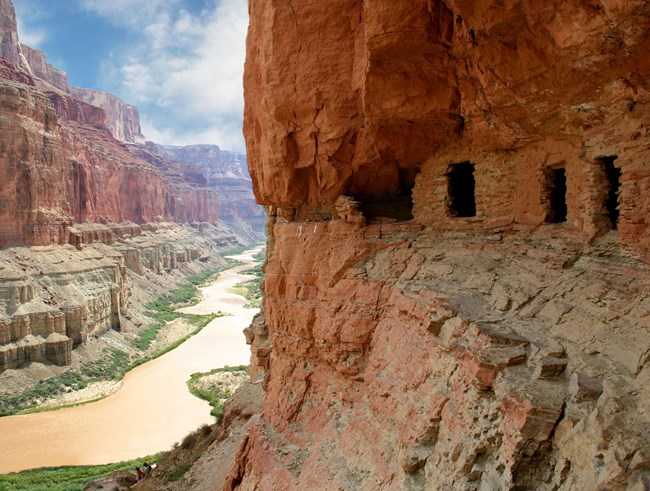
point(457, 279)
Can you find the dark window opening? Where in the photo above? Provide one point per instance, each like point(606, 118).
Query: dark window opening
point(557, 196)
point(613, 175)
point(396, 206)
point(461, 187)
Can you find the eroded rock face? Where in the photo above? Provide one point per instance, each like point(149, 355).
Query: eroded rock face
point(9, 46)
point(378, 93)
point(403, 359)
point(52, 298)
point(42, 69)
point(456, 291)
point(47, 327)
point(96, 177)
point(54, 138)
point(122, 119)
point(226, 172)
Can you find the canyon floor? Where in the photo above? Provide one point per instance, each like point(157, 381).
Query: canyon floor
point(39, 283)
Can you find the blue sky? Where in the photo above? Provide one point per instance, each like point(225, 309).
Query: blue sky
point(179, 61)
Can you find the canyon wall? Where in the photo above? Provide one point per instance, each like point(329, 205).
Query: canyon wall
point(226, 172)
point(384, 92)
point(122, 119)
point(193, 197)
point(85, 224)
point(42, 69)
point(53, 298)
point(9, 45)
point(456, 287)
point(53, 133)
point(51, 137)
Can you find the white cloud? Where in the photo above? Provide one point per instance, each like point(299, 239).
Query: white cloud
point(27, 18)
point(186, 64)
point(227, 135)
point(128, 12)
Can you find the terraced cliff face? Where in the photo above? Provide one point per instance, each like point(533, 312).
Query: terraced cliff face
point(54, 298)
point(42, 69)
point(122, 120)
point(94, 210)
point(60, 166)
point(456, 287)
point(224, 171)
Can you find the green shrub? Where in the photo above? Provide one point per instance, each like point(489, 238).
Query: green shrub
point(67, 478)
point(215, 394)
point(189, 441)
point(111, 366)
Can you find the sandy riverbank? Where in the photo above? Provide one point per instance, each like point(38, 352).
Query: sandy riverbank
point(167, 336)
point(171, 333)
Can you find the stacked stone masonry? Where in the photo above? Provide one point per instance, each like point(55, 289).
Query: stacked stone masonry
point(478, 85)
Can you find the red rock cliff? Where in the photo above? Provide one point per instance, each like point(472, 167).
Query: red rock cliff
point(43, 70)
point(122, 119)
point(386, 90)
point(61, 166)
point(456, 287)
point(226, 172)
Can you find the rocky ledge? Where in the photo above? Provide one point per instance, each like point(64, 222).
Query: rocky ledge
point(457, 275)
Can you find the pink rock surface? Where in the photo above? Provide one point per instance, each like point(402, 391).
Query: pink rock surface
point(413, 348)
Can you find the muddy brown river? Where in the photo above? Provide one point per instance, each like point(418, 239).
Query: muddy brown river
point(153, 409)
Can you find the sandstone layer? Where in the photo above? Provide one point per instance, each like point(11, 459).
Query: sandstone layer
point(456, 288)
point(9, 45)
point(42, 69)
point(377, 93)
point(227, 173)
point(122, 119)
point(51, 137)
point(95, 208)
point(53, 298)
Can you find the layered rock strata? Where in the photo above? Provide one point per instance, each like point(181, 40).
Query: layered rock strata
point(63, 312)
point(406, 359)
point(226, 172)
point(53, 137)
point(96, 211)
point(9, 45)
point(385, 99)
point(456, 289)
point(42, 69)
point(122, 119)
point(52, 298)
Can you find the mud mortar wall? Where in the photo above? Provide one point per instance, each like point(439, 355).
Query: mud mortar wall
point(381, 98)
point(410, 347)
